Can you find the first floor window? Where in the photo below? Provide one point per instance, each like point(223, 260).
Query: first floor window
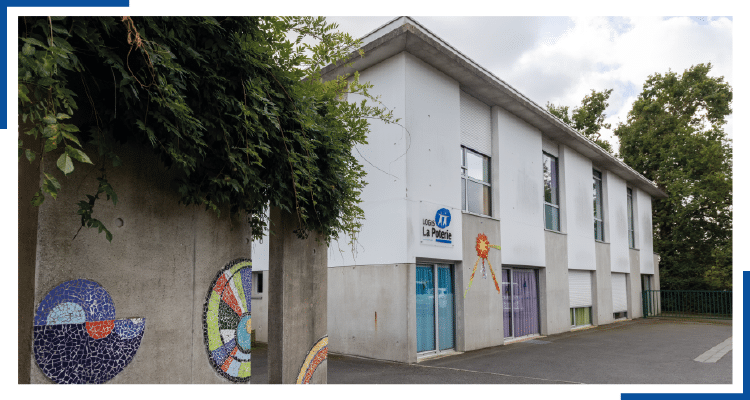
point(631, 225)
point(551, 193)
point(475, 182)
point(598, 208)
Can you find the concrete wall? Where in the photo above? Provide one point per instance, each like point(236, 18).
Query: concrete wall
point(370, 311)
point(579, 211)
point(554, 296)
point(28, 216)
point(635, 298)
point(601, 312)
point(482, 309)
point(159, 265)
point(297, 302)
point(521, 189)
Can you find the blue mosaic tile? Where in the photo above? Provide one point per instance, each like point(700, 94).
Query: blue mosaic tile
point(77, 339)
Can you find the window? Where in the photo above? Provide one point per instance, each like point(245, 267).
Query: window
point(631, 229)
point(475, 182)
point(581, 297)
point(580, 316)
point(259, 282)
point(551, 193)
point(598, 210)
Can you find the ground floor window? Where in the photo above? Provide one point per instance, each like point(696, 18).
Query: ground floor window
point(435, 308)
point(619, 295)
point(580, 316)
point(520, 302)
point(581, 298)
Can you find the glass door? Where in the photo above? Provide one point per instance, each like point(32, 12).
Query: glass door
point(435, 308)
point(520, 302)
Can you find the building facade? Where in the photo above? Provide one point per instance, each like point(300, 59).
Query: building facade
point(487, 219)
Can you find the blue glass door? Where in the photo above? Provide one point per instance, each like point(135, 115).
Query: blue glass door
point(425, 308)
point(435, 308)
point(445, 307)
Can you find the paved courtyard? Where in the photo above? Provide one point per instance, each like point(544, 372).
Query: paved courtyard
point(643, 351)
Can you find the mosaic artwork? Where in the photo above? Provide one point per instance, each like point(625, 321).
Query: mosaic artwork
point(227, 323)
point(315, 356)
point(77, 338)
point(483, 250)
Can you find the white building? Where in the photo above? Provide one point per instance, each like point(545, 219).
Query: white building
point(474, 156)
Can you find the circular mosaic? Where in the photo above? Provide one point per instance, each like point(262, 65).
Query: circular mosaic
point(227, 322)
point(77, 338)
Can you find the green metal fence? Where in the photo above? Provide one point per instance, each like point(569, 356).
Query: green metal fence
point(687, 303)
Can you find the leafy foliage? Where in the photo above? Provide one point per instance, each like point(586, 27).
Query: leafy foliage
point(588, 119)
point(674, 135)
point(232, 105)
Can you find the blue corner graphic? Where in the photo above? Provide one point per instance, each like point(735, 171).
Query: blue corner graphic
point(40, 3)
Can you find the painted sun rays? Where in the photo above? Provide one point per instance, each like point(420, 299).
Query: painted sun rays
point(483, 247)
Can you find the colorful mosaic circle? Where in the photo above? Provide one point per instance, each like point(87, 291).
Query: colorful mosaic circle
point(76, 336)
point(317, 354)
point(227, 322)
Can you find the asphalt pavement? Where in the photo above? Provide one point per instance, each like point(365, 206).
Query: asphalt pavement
point(642, 351)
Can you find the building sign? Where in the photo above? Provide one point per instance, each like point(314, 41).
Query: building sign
point(436, 228)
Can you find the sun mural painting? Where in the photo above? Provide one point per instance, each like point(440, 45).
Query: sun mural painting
point(483, 250)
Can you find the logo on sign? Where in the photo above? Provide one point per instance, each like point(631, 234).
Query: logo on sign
point(436, 230)
point(443, 218)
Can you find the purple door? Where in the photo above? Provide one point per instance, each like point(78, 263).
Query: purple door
point(507, 306)
point(526, 305)
point(520, 302)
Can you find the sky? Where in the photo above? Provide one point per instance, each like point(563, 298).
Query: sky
point(561, 59)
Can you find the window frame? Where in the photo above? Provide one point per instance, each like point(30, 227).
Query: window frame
point(556, 185)
point(573, 320)
point(465, 179)
point(631, 220)
point(598, 200)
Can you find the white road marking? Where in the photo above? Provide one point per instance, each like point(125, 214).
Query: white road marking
point(715, 353)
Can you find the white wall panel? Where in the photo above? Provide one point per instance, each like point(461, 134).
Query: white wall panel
point(579, 285)
point(433, 158)
point(645, 232)
point(619, 293)
point(476, 130)
point(617, 216)
point(578, 208)
point(383, 237)
point(521, 195)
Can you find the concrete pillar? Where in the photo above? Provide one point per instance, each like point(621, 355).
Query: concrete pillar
point(28, 220)
point(297, 307)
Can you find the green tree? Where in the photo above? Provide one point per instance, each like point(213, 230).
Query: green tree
point(674, 136)
point(232, 105)
point(588, 119)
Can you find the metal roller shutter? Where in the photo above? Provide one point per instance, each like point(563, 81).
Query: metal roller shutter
point(476, 125)
point(579, 283)
point(619, 293)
